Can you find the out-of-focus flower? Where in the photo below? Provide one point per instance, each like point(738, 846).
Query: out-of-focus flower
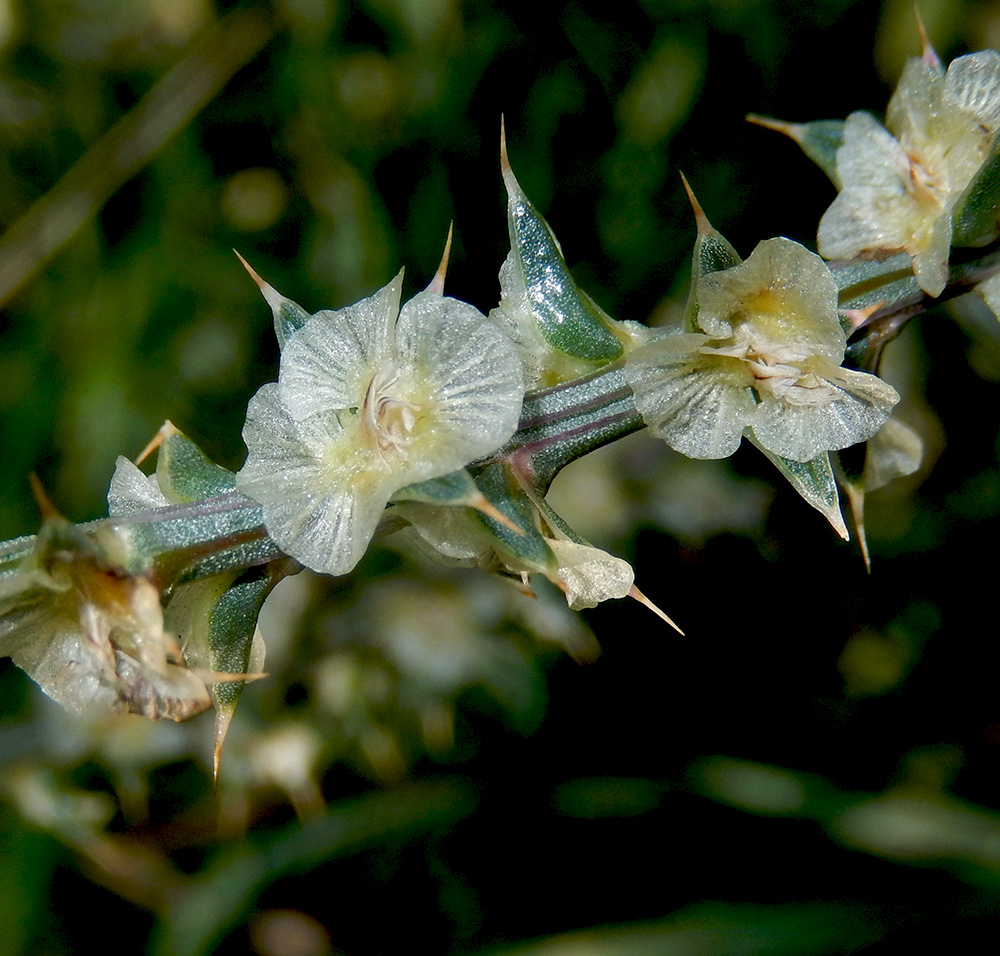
point(766, 360)
point(369, 399)
point(902, 186)
point(89, 633)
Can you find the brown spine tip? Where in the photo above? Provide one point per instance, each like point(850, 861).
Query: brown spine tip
point(271, 295)
point(504, 159)
point(929, 54)
point(253, 274)
point(701, 220)
point(509, 180)
point(45, 506)
point(167, 430)
point(858, 317)
point(795, 131)
point(436, 284)
point(637, 595)
point(482, 504)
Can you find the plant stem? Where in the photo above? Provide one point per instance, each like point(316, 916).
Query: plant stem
point(557, 426)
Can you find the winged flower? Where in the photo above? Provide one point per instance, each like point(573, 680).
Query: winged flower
point(371, 398)
point(904, 184)
point(765, 361)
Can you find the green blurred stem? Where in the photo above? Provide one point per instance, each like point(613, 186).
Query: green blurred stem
point(130, 144)
point(558, 425)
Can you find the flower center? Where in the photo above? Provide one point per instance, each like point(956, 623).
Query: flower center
point(924, 185)
point(388, 418)
point(773, 367)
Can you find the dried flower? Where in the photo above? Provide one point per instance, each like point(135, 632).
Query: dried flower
point(89, 633)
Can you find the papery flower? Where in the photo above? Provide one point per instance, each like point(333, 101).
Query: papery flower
point(90, 634)
point(589, 575)
point(902, 185)
point(369, 399)
point(585, 574)
point(766, 361)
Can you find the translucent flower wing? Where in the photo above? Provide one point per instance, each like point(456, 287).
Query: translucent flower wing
point(451, 535)
point(322, 502)
point(687, 399)
point(880, 210)
point(897, 450)
point(132, 491)
point(590, 575)
point(990, 291)
point(931, 248)
point(973, 84)
point(513, 316)
point(872, 210)
point(330, 360)
point(849, 407)
point(784, 293)
point(49, 646)
point(914, 111)
point(473, 373)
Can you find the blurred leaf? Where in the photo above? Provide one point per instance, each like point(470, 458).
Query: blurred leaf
point(128, 145)
point(198, 918)
point(721, 930)
point(27, 862)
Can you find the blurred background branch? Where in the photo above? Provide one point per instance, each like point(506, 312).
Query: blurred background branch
point(42, 231)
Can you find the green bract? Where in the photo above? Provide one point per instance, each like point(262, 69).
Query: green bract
point(369, 399)
point(560, 331)
point(765, 361)
point(902, 187)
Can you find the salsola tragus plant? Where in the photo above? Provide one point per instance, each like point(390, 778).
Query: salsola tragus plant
point(430, 419)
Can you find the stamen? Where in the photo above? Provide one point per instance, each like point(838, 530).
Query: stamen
point(388, 419)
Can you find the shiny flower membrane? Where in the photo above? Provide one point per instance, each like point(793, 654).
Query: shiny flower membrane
point(764, 362)
point(902, 185)
point(369, 399)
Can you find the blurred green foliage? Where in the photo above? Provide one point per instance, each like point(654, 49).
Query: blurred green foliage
point(460, 779)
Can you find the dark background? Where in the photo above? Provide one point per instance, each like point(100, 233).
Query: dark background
point(813, 768)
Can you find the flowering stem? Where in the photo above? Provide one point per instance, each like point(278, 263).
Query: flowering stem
point(558, 425)
point(865, 283)
point(563, 423)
